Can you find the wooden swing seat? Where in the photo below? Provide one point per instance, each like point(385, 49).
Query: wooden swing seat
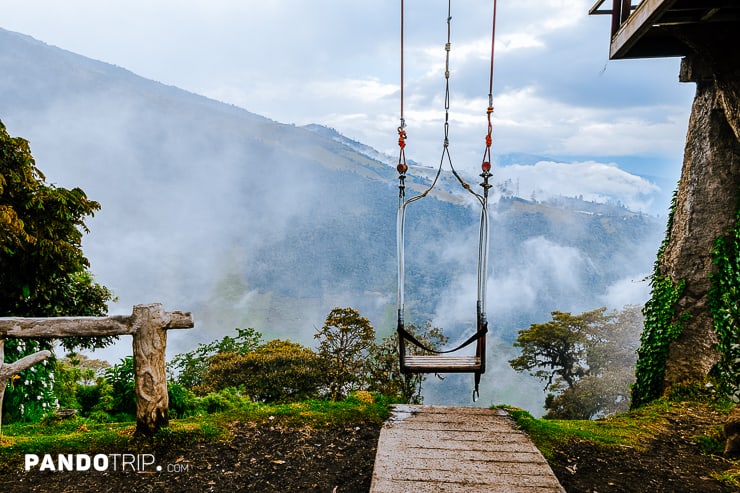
point(442, 364)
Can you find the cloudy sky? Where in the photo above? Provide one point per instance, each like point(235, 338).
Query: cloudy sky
point(556, 94)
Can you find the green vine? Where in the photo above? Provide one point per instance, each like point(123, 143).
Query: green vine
point(724, 305)
point(662, 326)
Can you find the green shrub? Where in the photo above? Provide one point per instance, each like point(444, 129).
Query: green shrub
point(88, 396)
point(188, 369)
point(121, 379)
point(182, 402)
point(100, 417)
point(278, 371)
point(221, 401)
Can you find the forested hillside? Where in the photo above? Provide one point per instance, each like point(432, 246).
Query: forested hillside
point(248, 222)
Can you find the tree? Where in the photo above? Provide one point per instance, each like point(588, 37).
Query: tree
point(346, 338)
point(383, 370)
point(556, 348)
point(586, 360)
point(43, 272)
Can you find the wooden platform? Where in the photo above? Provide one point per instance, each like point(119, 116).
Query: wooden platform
point(659, 28)
point(434, 449)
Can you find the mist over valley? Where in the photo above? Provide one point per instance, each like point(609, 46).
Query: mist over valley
point(249, 222)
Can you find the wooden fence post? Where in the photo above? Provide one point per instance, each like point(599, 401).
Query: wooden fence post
point(150, 382)
point(148, 325)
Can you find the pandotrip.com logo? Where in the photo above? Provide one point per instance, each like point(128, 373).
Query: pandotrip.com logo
point(138, 463)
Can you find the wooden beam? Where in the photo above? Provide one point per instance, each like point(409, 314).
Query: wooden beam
point(148, 324)
point(616, 15)
point(45, 328)
point(55, 327)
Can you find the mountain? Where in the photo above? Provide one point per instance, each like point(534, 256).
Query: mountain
point(248, 222)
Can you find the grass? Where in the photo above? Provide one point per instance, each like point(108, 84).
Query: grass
point(81, 435)
point(638, 427)
point(631, 429)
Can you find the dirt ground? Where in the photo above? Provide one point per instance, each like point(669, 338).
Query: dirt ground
point(673, 462)
point(269, 457)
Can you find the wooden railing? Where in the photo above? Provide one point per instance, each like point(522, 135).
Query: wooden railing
point(620, 11)
point(148, 324)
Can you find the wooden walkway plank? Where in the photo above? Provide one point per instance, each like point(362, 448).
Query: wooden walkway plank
point(457, 449)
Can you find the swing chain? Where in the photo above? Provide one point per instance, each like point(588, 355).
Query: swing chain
point(448, 47)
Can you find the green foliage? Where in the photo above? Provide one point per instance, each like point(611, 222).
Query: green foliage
point(223, 400)
point(121, 378)
point(277, 371)
point(724, 304)
point(87, 398)
point(30, 394)
point(190, 368)
point(554, 349)
point(75, 375)
point(348, 359)
point(593, 396)
point(346, 338)
point(181, 400)
point(65, 385)
point(662, 326)
point(43, 272)
point(383, 369)
point(586, 360)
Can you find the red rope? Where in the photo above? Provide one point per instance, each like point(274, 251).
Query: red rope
point(493, 49)
point(402, 68)
point(486, 165)
point(402, 167)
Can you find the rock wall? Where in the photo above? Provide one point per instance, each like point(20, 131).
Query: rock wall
point(706, 203)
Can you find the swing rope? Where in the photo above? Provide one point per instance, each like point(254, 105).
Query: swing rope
point(482, 198)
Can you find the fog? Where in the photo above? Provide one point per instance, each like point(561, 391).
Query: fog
point(248, 222)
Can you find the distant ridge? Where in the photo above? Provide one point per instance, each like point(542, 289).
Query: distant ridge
point(248, 222)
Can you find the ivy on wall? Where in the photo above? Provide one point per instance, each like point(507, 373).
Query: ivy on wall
point(724, 304)
point(662, 326)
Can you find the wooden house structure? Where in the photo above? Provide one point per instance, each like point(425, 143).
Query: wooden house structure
point(664, 28)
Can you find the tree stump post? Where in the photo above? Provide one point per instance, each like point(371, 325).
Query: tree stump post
point(150, 378)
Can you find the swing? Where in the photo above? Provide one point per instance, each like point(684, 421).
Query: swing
point(437, 361)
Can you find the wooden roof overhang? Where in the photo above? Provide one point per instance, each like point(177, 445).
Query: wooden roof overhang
point(660, 28)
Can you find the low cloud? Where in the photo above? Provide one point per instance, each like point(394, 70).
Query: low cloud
point(591, 180)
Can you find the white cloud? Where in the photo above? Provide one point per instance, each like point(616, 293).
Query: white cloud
point(599, 182)
point(337, 63)
point(369, 90)
point(633, 290)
